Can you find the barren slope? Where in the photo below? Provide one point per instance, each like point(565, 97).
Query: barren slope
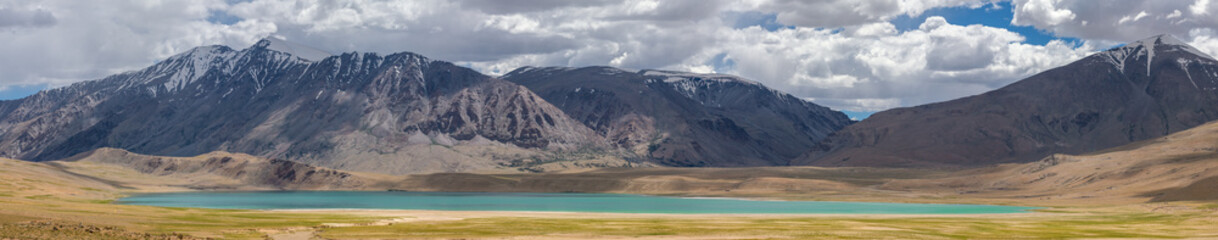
point(1181, 166)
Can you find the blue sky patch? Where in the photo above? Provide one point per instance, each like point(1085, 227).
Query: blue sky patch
point(222, 17)
point(721, 63)
point(767, 21)
point(857, 116)
point(996, 15)
point(20, 91)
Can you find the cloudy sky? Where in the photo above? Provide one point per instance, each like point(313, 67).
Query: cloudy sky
point(852, 55)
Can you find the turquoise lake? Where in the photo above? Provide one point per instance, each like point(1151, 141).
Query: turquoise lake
point(546, 202)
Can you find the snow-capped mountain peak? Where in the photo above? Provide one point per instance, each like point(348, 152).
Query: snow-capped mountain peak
point(221, 63)
point(1146, 49)
point(1172, 43)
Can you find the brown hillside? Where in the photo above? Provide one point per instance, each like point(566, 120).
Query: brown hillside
point(1181, 166)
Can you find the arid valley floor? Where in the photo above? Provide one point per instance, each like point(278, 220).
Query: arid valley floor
point(1125, 195)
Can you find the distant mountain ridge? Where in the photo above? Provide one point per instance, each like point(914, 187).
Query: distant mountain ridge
point(685, 119)
point(405, 113)
point(1142, 90)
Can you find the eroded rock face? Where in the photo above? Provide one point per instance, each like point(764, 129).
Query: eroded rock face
point(272, 104)
point(1146, 89)
point(685, 119)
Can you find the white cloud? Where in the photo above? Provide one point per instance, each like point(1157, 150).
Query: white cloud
point(1174, 14)
point(1116, 21)
point(1205, 40)
point(872, 30)
point(1201, 7)
point(1040, 12)
point(1130, 18)
point(514, 24)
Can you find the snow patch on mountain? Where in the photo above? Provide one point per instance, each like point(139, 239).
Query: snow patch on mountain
point(701, 86)
point(1149, 48)
point(674, 76)
point(546, 71)
point(196, 64)
point(1184, 65)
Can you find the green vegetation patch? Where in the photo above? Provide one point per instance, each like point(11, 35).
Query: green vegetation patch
point(41, 197)
point(92, 189)
point(215, 220)
point(1139, 225)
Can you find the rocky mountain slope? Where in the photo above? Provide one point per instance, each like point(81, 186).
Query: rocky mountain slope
point(399, 113)
point(1142, 90)
point(685, 119)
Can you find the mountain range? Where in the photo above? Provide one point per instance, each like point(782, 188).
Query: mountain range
point(405, 113)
